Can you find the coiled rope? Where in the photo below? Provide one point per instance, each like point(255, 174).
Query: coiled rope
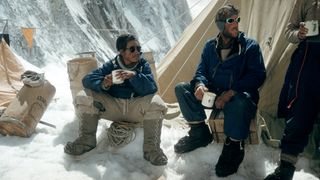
point(120, 134)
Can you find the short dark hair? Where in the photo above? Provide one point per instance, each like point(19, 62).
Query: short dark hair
point(122, 41)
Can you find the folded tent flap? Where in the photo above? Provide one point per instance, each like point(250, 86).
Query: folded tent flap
point(11, 70)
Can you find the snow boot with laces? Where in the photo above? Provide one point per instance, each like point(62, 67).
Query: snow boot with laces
point(151, 143)
point(87, 136)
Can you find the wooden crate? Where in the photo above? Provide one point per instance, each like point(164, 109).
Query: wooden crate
point(216, 125)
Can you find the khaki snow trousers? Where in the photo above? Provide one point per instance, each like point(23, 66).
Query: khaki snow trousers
point(137, 109)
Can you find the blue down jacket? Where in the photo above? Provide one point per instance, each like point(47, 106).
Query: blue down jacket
point(243, 71)
point(141, 84)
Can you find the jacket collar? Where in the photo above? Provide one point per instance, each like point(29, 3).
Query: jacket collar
point(238, 41)
point(120, 63)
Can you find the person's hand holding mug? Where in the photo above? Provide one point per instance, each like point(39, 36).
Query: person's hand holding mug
point(107, 81)
point(126, 74)
point(303, 31)
point(199, 92)
point(119, 75)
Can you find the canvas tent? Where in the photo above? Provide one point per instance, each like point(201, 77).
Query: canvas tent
point(10, 71)
point(262, 20)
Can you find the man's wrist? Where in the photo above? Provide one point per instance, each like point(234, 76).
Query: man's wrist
point(198, 85)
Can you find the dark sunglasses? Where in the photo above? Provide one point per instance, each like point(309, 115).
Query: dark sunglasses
point(231, 20)
point(132, 49)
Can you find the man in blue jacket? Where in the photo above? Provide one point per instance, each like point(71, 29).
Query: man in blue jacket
point(232, 67)
point(134, 100)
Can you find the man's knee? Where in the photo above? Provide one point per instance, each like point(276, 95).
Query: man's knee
point(157, 104)
point(180, 88)
point(156, 108)
point(237, 103)
point(240, 105)
point(83, 103)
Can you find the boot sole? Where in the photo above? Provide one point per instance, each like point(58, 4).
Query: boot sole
point(160, 164)
point(189, 150)
point(163, 163)
point(82, 156)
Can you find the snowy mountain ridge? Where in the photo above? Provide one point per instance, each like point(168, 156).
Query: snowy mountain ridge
point(64, 28)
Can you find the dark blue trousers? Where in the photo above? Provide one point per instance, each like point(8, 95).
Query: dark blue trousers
point(238, 112)
point(303, 113)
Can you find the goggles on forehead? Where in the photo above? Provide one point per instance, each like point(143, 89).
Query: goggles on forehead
point(231, 20)
point(132, 49)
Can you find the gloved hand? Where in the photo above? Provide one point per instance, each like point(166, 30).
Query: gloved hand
point(224, 98)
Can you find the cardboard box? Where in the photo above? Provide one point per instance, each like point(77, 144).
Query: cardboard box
point(217, 130)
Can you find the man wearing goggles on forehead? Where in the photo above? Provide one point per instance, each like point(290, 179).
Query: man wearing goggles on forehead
point(129, 100)
point(232, 67)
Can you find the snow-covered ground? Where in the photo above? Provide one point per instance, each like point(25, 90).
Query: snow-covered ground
point(41, 156)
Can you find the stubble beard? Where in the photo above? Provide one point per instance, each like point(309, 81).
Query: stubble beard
point(231, 35)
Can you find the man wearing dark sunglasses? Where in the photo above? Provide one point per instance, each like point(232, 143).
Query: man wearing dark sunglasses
point(131, 101)
point(232, 67)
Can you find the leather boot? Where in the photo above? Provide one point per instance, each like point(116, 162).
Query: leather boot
point(284, 171)
point(231, 157)
point(198, 136)
point(151, 143)
point(87, 136)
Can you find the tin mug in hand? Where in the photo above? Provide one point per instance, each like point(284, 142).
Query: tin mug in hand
point(208, 99)
point(313, 27)
point(115, 79)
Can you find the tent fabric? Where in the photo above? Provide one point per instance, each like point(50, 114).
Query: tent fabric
point(262, 20)
point(266, 22)
point(10, 72)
